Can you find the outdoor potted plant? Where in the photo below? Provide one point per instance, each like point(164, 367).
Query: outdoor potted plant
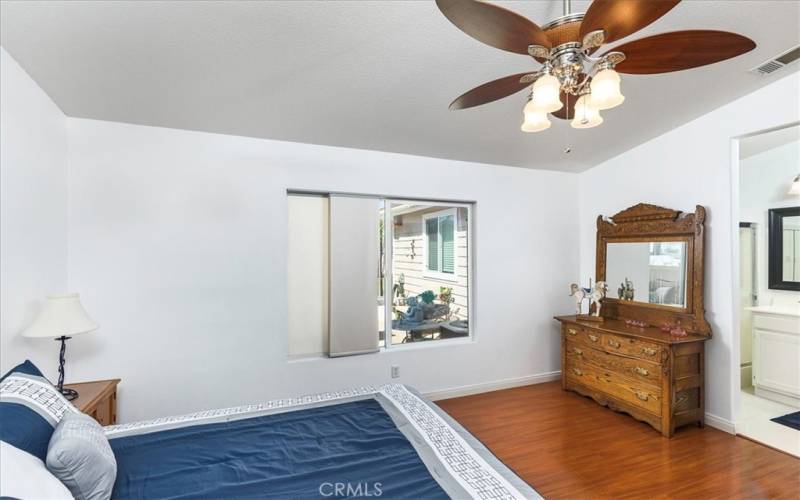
point(445, 294)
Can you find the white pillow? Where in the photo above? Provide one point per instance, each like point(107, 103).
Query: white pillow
point(24, 476)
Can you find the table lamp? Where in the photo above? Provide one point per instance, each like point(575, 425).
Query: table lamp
point(62, 318)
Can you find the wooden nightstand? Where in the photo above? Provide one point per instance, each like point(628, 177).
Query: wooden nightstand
point(97, 399)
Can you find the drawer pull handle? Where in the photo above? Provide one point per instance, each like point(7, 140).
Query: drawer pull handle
point(641, 371)
point(613, 343)
point(642, 395)
point(572, 331)
point(593, 338)
point(577, 351)
point(577, 371)
point(649, 351)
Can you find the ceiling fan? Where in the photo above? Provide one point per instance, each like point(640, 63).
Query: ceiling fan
point(572, 82)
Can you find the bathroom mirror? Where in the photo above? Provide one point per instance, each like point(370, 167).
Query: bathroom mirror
point(784, 248)
point(651, 271)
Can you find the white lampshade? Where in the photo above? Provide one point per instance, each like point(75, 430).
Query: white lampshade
point(535, 121)
point(547, 94)
point(794, 189)
point(605, 90)
point(586, 115)
point(62, 315)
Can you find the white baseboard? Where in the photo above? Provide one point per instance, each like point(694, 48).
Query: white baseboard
point(467, 390)
point(720, 423)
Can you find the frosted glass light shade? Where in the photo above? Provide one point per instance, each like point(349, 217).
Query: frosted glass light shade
point(61, 315)
point(586, 115)
point(547, 94)
point(535, 121)
point(794, 189)
point(605, 90)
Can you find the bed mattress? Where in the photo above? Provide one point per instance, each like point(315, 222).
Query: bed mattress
point(388, 442)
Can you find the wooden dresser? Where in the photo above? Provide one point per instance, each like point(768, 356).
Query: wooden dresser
point(653, 369)
point(644, 372)
point(97, 399)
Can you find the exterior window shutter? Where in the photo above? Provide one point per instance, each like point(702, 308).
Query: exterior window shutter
point(432, 231)
point(446, 229)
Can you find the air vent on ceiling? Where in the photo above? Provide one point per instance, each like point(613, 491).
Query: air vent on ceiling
point(777, 63)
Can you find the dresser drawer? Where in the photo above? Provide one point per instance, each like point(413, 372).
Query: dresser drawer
point(639, 370)
point(614, 384)
point(582, 335)
point(630, 346)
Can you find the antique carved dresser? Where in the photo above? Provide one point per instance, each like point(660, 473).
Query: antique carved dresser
point(644, 354)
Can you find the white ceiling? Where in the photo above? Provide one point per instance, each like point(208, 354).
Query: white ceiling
point(759, 143)
point(374, 75)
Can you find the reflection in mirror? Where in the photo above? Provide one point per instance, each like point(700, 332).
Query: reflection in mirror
point(791, 249)
point(653, 272)
point(783, 248)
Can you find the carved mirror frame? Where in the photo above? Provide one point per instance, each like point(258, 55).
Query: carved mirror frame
point(645, 222)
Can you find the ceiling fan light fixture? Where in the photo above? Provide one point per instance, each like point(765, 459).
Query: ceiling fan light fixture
point(547, 94)
point(794, 189)
point(586, 115)
point(535, 120)
point(605, 90)
point(565, 47)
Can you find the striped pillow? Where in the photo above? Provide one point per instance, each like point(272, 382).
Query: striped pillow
point(30, 409)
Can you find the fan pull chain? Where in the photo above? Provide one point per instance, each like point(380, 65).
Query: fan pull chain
point(568, 148)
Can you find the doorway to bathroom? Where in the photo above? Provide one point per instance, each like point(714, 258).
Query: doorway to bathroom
point(769, 308)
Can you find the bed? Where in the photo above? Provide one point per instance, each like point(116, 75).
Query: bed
point(389, 442)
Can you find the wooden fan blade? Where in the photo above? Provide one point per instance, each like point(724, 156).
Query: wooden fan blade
point(491, 91)
point(680, 50)
point(620, 18)
point(493, 25)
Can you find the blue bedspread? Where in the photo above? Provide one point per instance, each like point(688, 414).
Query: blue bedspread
point(286, 455)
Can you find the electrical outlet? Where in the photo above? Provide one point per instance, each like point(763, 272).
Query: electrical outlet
point(395, 371)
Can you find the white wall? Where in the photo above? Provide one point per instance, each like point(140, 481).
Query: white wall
point(178, 244)
point(33, 213)
point(691, 165)
point(764, 182)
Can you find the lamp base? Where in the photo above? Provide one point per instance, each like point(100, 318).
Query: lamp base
point(70, 394)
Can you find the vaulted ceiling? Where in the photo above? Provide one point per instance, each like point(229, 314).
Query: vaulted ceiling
point(363, 74)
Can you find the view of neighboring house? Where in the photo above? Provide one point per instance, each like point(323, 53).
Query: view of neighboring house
point(430, 267)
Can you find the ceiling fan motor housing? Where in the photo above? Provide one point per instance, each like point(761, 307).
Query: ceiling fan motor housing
point(564, 29)
point(567, 61)
point(567, 56)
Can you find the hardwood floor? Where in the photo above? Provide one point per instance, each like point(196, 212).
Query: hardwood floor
point(550, 438)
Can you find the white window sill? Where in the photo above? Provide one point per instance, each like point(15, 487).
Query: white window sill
point(410, 346)
point(425, 344)
point(449, 278)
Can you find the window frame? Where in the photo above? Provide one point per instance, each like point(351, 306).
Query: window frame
point(440, 275)
point(470, 225)
point(388, 275)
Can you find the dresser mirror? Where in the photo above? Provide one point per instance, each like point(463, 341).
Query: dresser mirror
point(651, 259)
point(784, 248)
point(650, 271)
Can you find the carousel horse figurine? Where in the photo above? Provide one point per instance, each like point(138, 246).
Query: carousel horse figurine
point(579, 294)
point(597, 294)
